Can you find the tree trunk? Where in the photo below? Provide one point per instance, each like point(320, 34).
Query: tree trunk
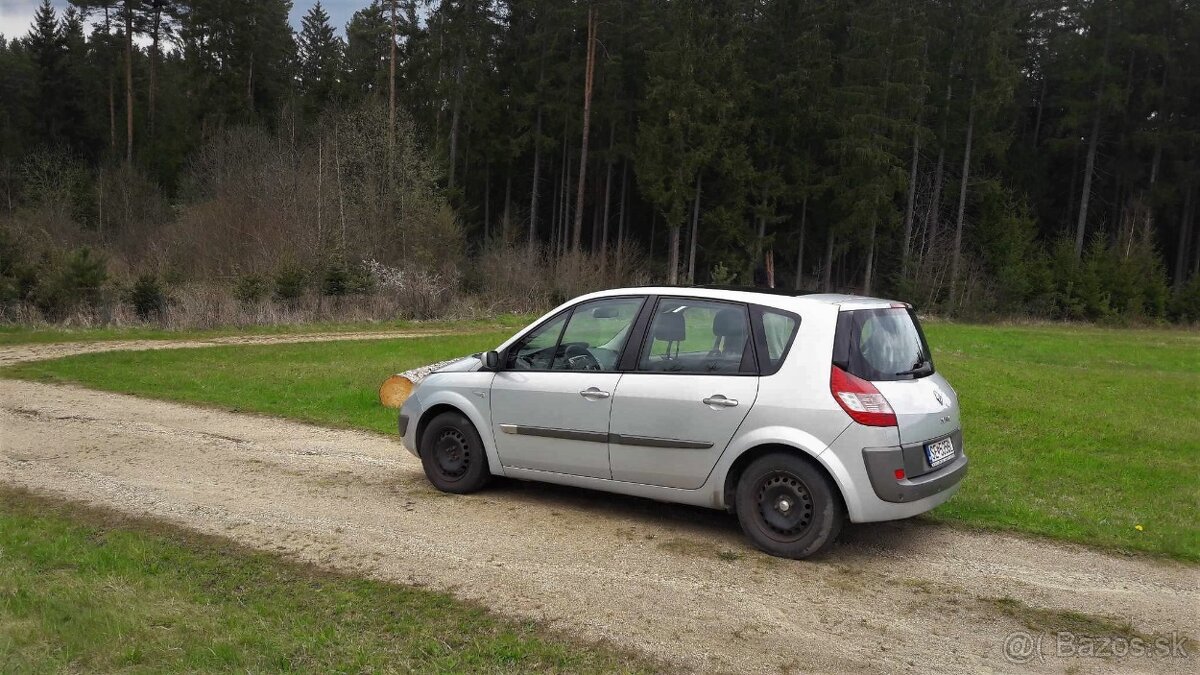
point(1089, 165)
point(1090, 162)
point(587, 120)
point(673, 256)
point(128, 82)
point(608, 173)
point(870, 260)
point(487, 202)
point(506, 218)
point(912, 197)
point(337, 162)
point(826, 271)
point(392, 79)
point(800, 250)
point(1181, 252)
point(455, 115)
point(1037, 124)
point(537, 166)
point(621, 217)
point(691, 269)
point(962, 196)
point(154, 37)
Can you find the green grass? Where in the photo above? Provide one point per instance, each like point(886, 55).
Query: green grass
point(15, 335)
point(1078, 433)
point(1074, 433)
point(86, 590)
point(331, 383)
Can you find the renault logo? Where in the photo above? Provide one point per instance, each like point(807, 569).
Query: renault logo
point(938, 396)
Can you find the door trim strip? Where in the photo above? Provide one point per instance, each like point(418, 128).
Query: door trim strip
point(652, 442)
point(601, 437)
point(547, 432)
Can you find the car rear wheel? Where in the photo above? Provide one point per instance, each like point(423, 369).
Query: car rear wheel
point(787, 507)
point(453, 455)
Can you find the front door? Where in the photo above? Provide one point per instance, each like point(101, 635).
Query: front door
point(696, 379)
point(552, 399)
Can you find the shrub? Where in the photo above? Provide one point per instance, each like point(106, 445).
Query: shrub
point(290, 282)
point(1185, 305)
point(250, 288)
point(147, 297)
point(77, 281)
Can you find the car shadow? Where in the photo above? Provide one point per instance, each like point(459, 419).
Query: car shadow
point(857, 541)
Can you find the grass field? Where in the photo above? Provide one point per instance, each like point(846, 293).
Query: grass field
point(15, 335)
point(1083, 434)
point(86, 590)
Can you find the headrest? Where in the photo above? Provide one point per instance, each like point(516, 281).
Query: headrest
point(669, 326)
point(729, 322)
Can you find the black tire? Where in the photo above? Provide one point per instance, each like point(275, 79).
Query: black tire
point(787, 507)
point(453, 455)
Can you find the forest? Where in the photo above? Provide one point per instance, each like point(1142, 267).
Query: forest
point(203, 162)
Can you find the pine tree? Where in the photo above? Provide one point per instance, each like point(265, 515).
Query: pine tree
point(320, 51)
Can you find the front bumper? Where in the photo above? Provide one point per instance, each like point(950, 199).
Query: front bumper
point(921, 481)
point(410, 413)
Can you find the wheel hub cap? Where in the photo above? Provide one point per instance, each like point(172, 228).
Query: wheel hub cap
point(452, 453)
point(785, 505)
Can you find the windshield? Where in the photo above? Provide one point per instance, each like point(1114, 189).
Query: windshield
point(882, 344)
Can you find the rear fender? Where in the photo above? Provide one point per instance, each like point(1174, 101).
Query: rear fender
point(786, 436)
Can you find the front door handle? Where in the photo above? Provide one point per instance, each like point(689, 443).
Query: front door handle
point(720, 400)
point(592, 392)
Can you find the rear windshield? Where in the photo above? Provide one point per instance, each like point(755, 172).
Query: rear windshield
point(882, 344)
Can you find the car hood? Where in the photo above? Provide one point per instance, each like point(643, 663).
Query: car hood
point(459, 365)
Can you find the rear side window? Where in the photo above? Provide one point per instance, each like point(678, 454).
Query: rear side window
point(882, 344)
point(702, 337)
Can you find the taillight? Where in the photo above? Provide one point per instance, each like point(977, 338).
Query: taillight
point(860, 399)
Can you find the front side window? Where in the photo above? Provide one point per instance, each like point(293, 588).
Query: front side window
point(696, 336)
point(536, 350)
point(590, 336)
point(596, 334)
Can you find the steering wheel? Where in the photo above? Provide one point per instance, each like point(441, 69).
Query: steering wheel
point(579, 358)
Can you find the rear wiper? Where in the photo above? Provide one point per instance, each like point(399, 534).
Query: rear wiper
point(921, 367)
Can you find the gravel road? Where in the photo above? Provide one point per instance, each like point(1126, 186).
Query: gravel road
point(678, 583)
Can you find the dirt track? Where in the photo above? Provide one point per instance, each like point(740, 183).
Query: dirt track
point(676, 582)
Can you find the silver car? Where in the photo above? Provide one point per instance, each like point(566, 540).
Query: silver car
point(795, 412)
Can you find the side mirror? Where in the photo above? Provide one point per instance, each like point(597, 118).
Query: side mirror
point(491, 360)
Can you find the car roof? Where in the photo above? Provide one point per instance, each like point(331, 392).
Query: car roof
point(770, 297)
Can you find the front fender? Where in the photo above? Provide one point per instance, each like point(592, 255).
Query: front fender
point(476, 408)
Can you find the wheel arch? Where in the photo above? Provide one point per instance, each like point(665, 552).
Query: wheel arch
point(454, 402)
point(749, 455)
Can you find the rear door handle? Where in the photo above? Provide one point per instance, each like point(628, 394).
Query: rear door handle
point(592, 392)
point(720, 400)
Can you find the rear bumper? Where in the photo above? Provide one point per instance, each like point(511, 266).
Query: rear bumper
point(922, 481)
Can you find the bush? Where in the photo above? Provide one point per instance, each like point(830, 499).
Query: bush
point(250, 288)
point(148, 298)
point(1185, 306)
point(78, 281)
point(290, 283)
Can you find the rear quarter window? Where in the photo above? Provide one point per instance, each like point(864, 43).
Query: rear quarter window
point(778, 330)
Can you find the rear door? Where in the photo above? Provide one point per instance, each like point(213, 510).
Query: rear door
point(694, 380)
point(887, 347)
point(551, 400)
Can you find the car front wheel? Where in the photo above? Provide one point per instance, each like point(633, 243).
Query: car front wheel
point(452, 454)
point(787, 507)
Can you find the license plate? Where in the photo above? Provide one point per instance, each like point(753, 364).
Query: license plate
point(940, 452)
